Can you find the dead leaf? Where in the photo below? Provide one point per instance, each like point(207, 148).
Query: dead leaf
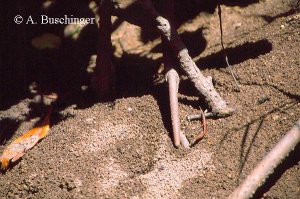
point(47, 40)
point(25, 142)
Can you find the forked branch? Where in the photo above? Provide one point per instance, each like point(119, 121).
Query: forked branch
point(203, 84)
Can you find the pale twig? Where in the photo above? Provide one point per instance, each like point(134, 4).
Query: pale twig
point(266, 167)
point(184, 141)
point(173, 83)
point(199, 116)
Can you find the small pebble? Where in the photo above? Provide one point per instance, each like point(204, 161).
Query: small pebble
point(238, 25)
point(132, 175)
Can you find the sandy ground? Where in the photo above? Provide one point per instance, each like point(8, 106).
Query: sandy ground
point(123, 149)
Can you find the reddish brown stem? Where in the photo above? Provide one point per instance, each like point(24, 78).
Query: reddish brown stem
point(103, 79)
point(203, 132)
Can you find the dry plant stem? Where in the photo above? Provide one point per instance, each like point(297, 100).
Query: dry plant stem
point(184, 141)
point(103, 79)
point(172, 76)
point(203, 132)
point(203, 84)
point(173, 83)
point(199, 116)
point(223, 48)
point(266, 167)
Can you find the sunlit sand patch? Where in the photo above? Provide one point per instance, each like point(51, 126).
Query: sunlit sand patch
point(170, 173)
point(111, 176)
point(107, 135)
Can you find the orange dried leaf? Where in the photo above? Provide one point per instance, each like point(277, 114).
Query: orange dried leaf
point(19, 146)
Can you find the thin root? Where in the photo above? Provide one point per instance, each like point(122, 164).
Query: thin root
point(203, 130)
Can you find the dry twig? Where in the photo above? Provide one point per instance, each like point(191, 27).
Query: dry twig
point(203, 84)
point(173, 82)
point(266, 167)
point(223, 49)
